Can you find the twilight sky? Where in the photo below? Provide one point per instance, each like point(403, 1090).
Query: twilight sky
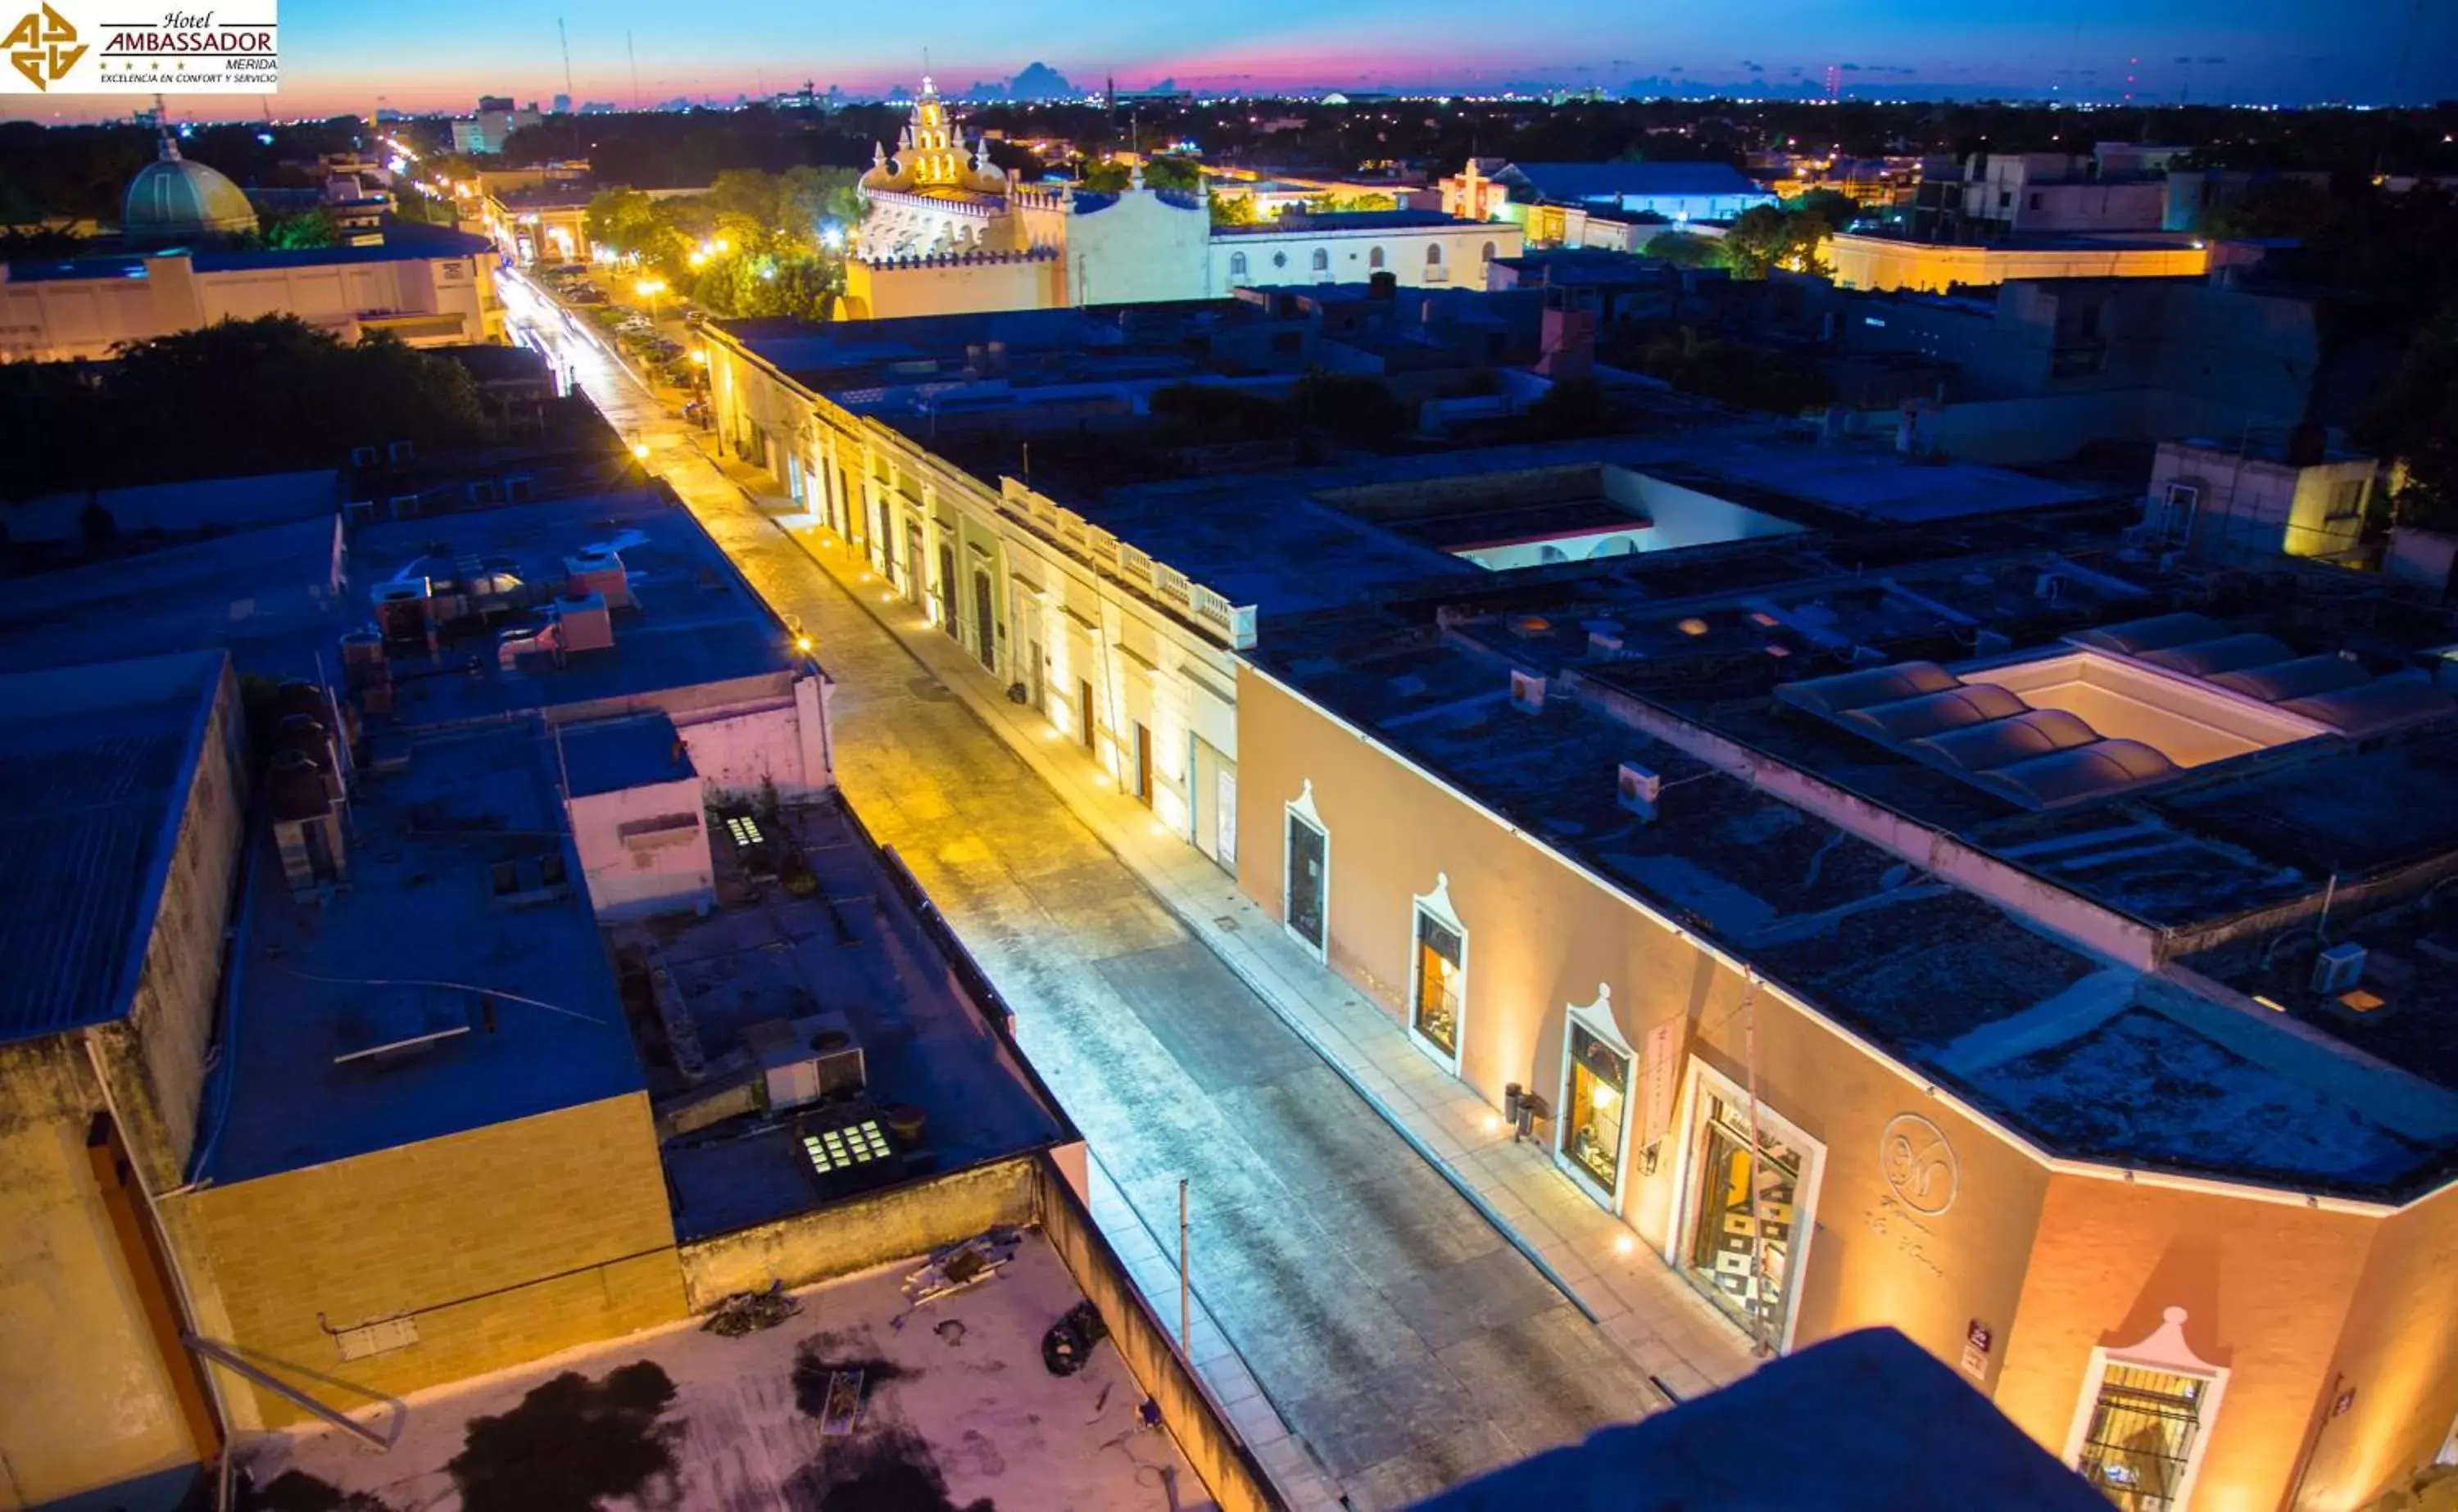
point(344, 54)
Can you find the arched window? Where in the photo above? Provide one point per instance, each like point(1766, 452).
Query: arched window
point(1322, 260)
point(1237, 264)
point(1374, 257)
point(1488, 252)
point(1434, 255)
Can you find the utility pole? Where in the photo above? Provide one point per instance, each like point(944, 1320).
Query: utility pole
point(633, 54)
point(1185, 1288)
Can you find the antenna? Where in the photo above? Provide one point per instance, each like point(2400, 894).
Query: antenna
point(565, 38)
point(629, 52)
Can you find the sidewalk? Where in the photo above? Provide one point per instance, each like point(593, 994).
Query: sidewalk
point(1672, 1332)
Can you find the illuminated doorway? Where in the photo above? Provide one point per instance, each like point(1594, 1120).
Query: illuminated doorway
point(1746, 1220)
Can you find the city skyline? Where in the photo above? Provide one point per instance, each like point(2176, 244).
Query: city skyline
point(2270, 52)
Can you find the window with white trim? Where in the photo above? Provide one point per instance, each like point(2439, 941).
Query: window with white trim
point(1593, 1115)
point(1437, 974)
point(1305, 877)
point(2144, 1420)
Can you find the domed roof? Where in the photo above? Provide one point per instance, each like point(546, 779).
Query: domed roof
point(173, 199)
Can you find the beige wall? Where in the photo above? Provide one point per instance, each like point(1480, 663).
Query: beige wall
point(2050, 1263)
point(1875, 262)
point(2265, 1285)
point(860, 1232)
point(57, 320)
point(2399, 1354)
point(503, 1244)
point(85, 1397)
point(987, 281)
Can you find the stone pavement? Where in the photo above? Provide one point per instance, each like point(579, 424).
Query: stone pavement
point(1673, 1333)
point(1375, 1334)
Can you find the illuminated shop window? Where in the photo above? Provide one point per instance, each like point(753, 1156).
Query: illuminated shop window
point(1596, 1111)
point(1744, 1216)
point(1439, 948)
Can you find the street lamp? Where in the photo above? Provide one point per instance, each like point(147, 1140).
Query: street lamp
point(640, 451)
point(649, 289)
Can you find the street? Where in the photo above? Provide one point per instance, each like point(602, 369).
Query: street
point(1403, 1338)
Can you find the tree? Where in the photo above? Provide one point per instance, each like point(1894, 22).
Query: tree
point(625, 221)
point(1172, 173)
point(1105, 177)
point(1833, 205)
point(1763, 239)
point(235, 397)
point(2269, 208)
point(810, 199)
point(308, 228)
point(745, 193)
point(1332, 204)
point(1685, 250)
point(2414, 423)
point(1349, 406)
point(1233, 210)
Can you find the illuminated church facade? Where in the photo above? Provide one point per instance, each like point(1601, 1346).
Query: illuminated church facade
point(946, 233)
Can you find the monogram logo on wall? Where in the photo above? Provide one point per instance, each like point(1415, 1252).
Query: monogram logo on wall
point(1918, 1163)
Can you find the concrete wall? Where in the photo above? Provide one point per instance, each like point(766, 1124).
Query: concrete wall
point(952, 286)
point(183, 509)
point(500, 1245)
point(1276, 259)
point(658, 865)
point(57, 320)
point(2265, 1285)
point(770, 727)
point(2050, 1263)
point(2256, 504)
point(1684, 516)
point(1145, 246)
point(86, 1399)
point(861, 1233)
point(2395, 1354)
point(1229, 1470)
point(1874, 262)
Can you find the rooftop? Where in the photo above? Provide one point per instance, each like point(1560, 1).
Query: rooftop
point(95, 767)
point(455, 981)
point(611, 755)
point(401, 244)
point(1874, 1423)
point(1611, 181)
point(267, 596)
point(495, 572)
point(852, 953)
point(954, 1409)
point(1333, 222)
point(2023, 1021)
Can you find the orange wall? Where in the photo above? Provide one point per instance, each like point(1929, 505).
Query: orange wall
point(2052, 1265)
point(2399, 1353)
point(1541, 937)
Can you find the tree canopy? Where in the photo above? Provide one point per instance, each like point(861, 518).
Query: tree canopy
point(267, 395)
point(1764, 238)
point(756, 243)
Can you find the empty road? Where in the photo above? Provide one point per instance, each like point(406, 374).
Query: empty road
point(1406, 1341)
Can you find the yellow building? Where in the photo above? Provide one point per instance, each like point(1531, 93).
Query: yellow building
point(1856, 1015)
point(1862, 261)
point(125, 793)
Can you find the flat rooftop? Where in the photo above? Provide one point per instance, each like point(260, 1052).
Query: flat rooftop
point(955, 1410)
point(266, 595)
point(851, 949)
point(95, 767)
point(694, 619)
point(419, 1000)
point(1875, 1423)
point(1109, 342)
point(2047, 1034)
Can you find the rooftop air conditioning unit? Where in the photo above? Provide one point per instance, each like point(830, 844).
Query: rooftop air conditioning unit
point(399, 450)
point(2338, 969)
point(1638, 787)
point(363, 456)
point(1527, 692)
point(805, 1060)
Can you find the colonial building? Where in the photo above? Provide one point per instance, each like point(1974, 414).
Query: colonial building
point(1977, 946)
point(946, 234)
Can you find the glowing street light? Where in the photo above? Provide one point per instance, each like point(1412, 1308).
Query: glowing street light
point(649, 289)
point(640, 450)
